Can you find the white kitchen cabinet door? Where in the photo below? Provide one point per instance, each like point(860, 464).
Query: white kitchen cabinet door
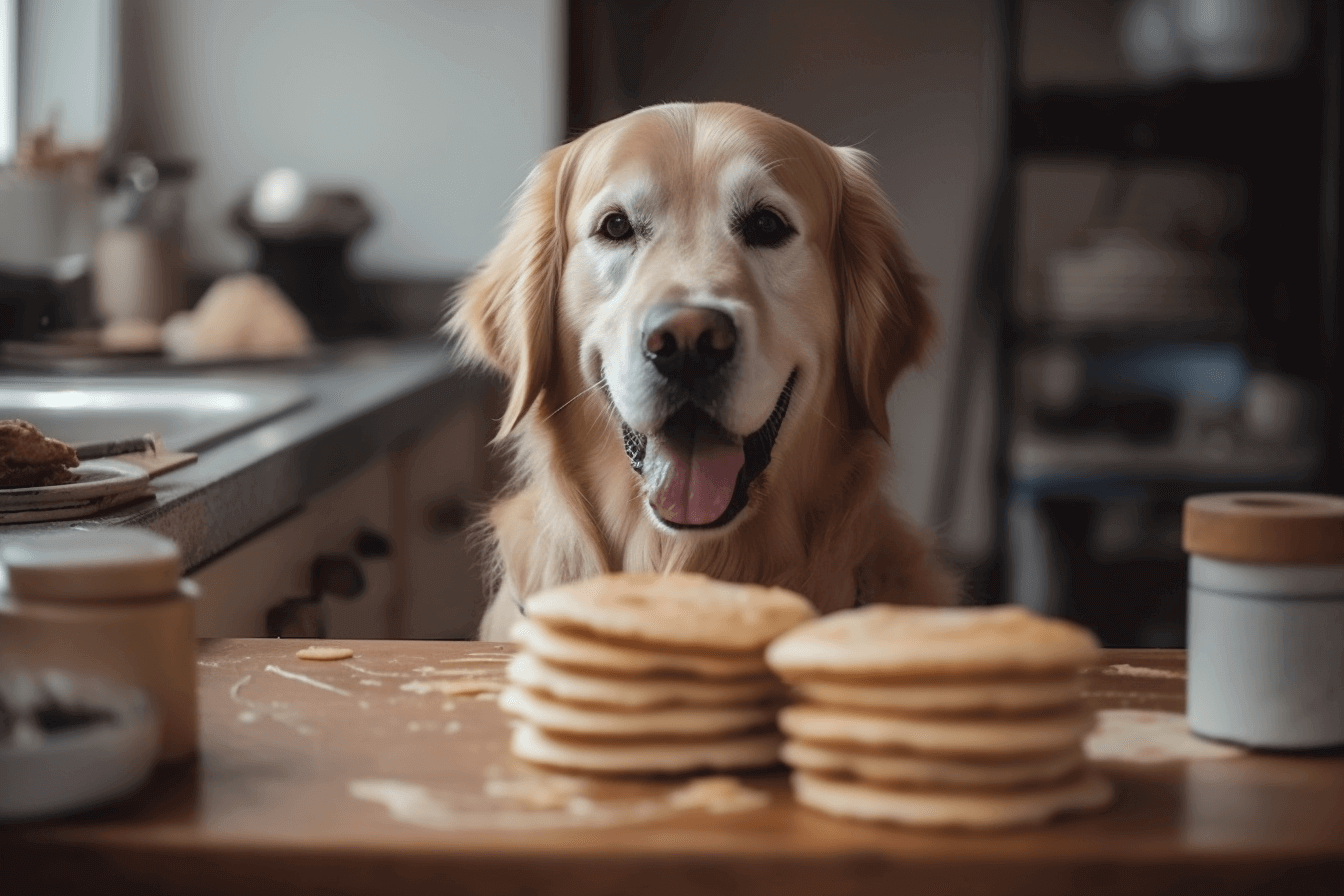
point(276, 564)
point(445, 476)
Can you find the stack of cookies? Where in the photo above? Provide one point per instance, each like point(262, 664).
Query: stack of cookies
point(939, 717)
point(649, 674)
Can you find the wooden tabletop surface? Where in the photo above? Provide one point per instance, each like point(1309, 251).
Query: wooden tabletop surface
point(370, 775)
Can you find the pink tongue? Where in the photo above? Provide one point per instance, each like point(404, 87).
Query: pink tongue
point(695, 488)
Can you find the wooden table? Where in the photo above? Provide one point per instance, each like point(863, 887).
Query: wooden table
point(363, 776)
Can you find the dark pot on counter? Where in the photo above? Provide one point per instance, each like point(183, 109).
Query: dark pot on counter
point(307, 256)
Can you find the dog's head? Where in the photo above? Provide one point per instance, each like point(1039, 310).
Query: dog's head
point(721, 277)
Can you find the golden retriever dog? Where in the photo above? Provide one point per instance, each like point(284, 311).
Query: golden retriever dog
point(700, 310)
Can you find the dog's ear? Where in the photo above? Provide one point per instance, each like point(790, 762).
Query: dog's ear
point(505, 313)
point(886, 322)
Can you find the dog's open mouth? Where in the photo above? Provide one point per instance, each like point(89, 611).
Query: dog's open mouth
point(697, 472)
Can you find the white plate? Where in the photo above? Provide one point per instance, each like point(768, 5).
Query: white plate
point(74, 511)
point(95, 479)
point(54, 774)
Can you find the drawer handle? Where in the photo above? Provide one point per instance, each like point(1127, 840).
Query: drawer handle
point(337, 575)
point(372, 545)
point(302, 617)
point(449, 516)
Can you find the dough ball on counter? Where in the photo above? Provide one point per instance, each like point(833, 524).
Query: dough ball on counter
point(244, 315)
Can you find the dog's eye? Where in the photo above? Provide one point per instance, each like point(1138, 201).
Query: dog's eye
point(764, 228)
point(616, 227)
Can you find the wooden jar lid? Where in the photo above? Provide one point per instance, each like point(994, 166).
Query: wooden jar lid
point(1265, 527)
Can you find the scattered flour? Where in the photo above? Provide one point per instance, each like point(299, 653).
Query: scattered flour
point(718, 794)
point(1141, 672)
point(1147, 736)
point(417, 805)
point(377, 673)
point(550, 792)
point(254, 710)
point(454, 688)
point(294, 676)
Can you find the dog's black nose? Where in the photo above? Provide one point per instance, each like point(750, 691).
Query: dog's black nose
point(687, 343)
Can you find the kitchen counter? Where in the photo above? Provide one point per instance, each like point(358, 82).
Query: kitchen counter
point(368, 775)
point(365, 398)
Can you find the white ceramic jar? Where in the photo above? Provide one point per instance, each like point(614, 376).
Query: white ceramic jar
point(106, 602)
point(1266, 619)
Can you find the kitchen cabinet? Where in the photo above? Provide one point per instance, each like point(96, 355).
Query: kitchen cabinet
point(394, 531)
point(445, 478)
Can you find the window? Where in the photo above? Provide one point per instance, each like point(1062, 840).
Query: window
point(9, 80)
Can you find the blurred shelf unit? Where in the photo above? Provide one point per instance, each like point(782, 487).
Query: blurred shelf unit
point(1160, 274)
point(1192, 119)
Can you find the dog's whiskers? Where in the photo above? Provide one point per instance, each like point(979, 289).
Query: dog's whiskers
point(827, 420)
point(595, 385)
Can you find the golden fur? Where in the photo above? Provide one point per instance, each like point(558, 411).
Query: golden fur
point(842, 303)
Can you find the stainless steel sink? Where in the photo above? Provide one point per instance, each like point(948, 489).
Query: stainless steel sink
point(190, 414)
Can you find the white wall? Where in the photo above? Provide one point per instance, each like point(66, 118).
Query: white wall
point(435, 111)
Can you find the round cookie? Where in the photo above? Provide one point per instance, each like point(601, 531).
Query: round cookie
point(685, 610)
point(617, 724)
point(947, 697)
point(929, 771)
point(323, 653)
point(569, 649)
point(888, 642)
point(669, 758)
point(941, 809)
point(534, 673)
point(979, 736)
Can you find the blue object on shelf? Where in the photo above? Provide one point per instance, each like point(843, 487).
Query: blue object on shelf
point(1211, 374)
